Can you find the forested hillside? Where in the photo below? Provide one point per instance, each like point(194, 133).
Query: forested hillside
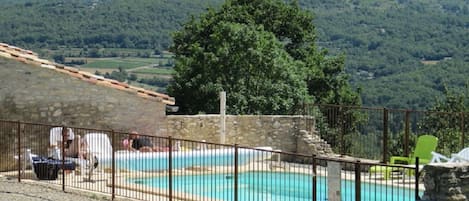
point(143, 24)
point(401, 53)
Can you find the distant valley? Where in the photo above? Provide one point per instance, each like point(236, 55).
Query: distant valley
point(401, 54)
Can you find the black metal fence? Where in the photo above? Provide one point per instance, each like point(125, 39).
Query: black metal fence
point(378, 133)
point(179, 169)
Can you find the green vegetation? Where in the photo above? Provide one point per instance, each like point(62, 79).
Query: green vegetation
point(387, 42)
point(126, 63)
point(154, 83)
point(96, 24)
point(262, 53)
point(111, 63)
point(389, 46)
point(159, 71)
point(98, 52)
point(453, 107)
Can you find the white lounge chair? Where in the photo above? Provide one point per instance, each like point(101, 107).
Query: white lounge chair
point(29, 158)
point(462, 156)
point(98, 144)
point(27, 161)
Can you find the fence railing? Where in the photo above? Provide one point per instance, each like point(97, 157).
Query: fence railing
point(379, 133)
point(179, 169)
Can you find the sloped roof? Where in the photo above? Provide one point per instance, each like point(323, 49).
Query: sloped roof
point(29, 57)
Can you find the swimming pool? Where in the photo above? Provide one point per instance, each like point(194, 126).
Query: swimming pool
point(265, 186)
point(100, 146)
point(156, 161)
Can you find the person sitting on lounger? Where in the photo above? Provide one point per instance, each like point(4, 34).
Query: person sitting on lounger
point(138, 143)
point(74, 146)
point(77, 148)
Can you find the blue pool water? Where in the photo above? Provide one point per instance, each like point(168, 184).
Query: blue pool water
point(265, 186)
point(155, 161)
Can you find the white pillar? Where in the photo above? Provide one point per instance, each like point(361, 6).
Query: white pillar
point(333, 180)
point(222, 117)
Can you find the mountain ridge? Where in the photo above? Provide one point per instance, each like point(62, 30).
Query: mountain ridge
point(382, 40)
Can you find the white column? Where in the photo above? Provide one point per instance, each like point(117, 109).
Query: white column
point(222, 117)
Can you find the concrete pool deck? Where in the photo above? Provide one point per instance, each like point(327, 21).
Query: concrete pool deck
point(33, 190)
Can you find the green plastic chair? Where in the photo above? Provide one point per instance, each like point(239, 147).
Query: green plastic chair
point(423, 150)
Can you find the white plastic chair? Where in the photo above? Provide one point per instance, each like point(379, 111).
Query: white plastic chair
point(462, 156)
point(98, 144)
point(99, 148)
point(29, 157)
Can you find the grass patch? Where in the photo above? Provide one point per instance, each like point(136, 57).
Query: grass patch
point(160, 71)
point(125, 63)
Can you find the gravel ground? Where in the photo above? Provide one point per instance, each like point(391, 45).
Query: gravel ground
point(11, 190)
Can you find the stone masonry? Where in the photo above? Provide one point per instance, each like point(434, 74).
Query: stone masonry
point(33, 94)
point(286, 133)
point(446, 182)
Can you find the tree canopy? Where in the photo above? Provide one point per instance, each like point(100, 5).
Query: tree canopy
point(262, 53)
point(399, 52)
point(144, 24)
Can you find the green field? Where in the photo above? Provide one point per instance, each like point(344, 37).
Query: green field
point(109, 58)
point(125, 63)
point(159, 71)
point(145, 68)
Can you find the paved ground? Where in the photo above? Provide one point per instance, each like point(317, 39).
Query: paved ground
point(11, 190)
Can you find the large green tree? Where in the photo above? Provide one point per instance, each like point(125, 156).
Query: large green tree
point(262, 53)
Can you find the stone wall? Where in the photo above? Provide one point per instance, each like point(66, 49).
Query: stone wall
point(40, 95)
point(446, 182)
point(287, 133)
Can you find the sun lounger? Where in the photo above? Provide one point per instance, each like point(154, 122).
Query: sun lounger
point(462, 156)
point(46, 168)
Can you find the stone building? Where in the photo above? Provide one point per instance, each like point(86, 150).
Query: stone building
point(40, 91)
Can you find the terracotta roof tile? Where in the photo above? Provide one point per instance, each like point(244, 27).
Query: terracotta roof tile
point(29, 57)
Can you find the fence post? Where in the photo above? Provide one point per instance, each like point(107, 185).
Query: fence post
point(417, 197)
point(462, 131)
point(385, 135)
point(406, 133)
point(357, 181)
point(170, 168)
point(18, 132)
point(113, 167)
point(342, 133)
point(62, 154)
point(236, 172)
point(315, 187)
